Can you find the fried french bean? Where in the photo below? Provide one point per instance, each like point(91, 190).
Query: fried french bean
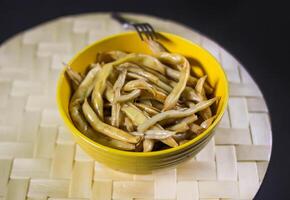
point(90, 67)
point(75, 77)
point(115, 119)
point(151, 77)
point(159, 75)
point(136, 76)
point(175, 114)
point(174, 74)
point(109, 92)
point(139, 84)
point(188, 93)
point(106, 141)
point(206, 113)
point(158, 134)
point(189, 119)
point(128, 97)
point(120, 145)
point(143, 60)
point(175, 60)
point(78, 119)
point(155, 134)
point(148, 145)
point(133, 113)
point(116, 107)
point(104, 128)
point(86, 86)
point(196, 129)
point(170, 141)
point(82, 92)
point(173, 97)
point(179, 128)
point(129, 124)
point(149, 109)
point(159, 96)
point(100, 86)
point(206, 123)
point(199, 85)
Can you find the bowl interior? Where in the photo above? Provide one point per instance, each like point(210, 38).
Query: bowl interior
point(202, 62)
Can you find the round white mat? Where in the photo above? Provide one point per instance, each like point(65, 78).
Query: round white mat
point(39, 159)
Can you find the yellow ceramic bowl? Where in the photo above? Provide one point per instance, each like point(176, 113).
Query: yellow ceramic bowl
point(138, 162)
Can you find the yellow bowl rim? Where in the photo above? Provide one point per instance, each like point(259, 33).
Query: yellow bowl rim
point(77, 133)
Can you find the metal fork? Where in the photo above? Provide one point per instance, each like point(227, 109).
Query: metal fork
point(141, 28)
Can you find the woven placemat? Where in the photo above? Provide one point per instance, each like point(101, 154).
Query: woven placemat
point(39, 159)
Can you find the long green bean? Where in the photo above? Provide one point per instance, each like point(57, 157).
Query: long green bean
point(104, 128)
point(175, 114)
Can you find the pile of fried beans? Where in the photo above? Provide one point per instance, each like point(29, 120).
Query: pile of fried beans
point(140, 102)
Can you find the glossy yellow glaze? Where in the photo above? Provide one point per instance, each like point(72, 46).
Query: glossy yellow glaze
point(138, 162)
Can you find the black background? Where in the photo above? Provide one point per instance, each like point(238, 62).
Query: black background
point(256, 33)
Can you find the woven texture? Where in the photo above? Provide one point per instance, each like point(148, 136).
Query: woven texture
point(39, 159)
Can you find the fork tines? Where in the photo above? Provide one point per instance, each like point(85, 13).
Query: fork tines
point(145, 29)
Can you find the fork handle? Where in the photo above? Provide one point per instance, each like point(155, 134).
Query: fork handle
point(121, 20)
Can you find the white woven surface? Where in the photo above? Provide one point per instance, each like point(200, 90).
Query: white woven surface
point(39, 160)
